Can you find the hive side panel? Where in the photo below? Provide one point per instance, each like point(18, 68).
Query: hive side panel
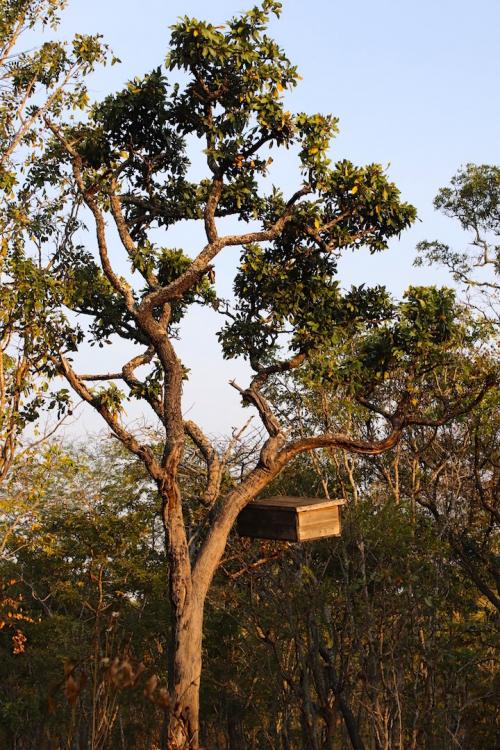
point(271, 523)
point(319, 523)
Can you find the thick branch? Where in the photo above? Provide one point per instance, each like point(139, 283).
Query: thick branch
point(210, 209)
point(340, 440)
point(117, 282)
point(252, 395)
point(87, 193)
point(133, 382)
point(213, 547)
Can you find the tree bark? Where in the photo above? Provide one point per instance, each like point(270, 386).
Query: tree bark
point(182, 716)
point(185, 677)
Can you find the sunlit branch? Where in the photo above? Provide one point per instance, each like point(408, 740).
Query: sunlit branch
point(141, 451)
point(200, 264)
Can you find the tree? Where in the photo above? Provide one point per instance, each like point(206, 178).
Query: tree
point(34, 83)
point(83, 616)
point(473, 198)
point(128, 165)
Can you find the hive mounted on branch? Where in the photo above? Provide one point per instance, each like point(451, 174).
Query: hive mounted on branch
point(291, 519)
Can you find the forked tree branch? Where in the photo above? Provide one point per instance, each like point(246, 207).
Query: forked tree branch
point(127, 374)
point(117, 282)
point(143, 452)
point(230, 506)
point(199, 266)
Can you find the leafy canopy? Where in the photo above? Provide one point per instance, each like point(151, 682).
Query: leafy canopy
point(231, 100)
point(134, 157)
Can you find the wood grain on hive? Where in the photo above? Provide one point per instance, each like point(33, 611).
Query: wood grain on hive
point(292, 519)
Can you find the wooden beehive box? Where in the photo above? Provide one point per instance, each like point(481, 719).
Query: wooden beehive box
point(292, 519)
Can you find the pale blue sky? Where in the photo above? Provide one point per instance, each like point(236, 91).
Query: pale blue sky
point(414, 83)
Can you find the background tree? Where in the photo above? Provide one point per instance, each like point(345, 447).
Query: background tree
point(33, 83)
point(373, 645)
point(449, 469)
point(473, 198)
point(129, 167)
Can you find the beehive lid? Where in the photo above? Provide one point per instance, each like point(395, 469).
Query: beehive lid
point(295, 503)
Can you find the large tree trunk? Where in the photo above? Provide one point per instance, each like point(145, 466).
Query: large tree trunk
point(182, 721)
point(185, 677)
point(188, 590)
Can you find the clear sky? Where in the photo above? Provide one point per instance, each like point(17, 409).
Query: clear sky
point(414, 83)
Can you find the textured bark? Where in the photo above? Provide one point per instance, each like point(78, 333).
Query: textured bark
point(185, 677)
point(182, 730)
point(186, 612)
point(187, 595)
